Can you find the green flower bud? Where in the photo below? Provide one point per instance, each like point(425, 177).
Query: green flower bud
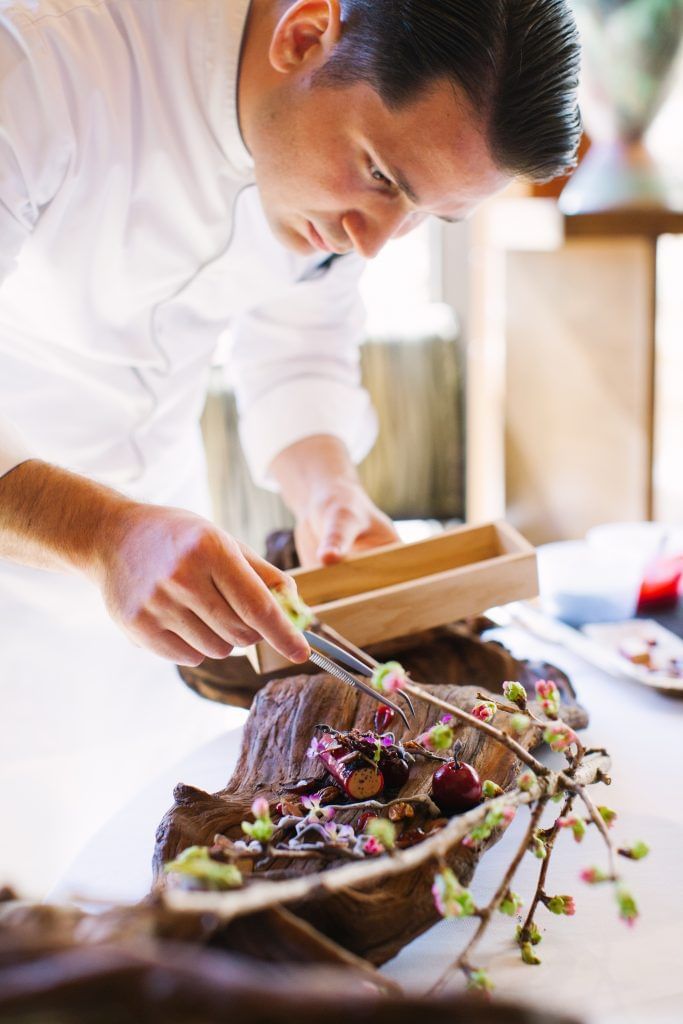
point(608, 816)
point(635, 852)
point(526, 780)
point(511, 904)
point(519, 724)
point(262, 830)
point(491, 789)
point(383, 830)
point(628, 910)
point(196, 863)
point(528, 955)
point(515, 693)
point(531, 934)
point(296, 610)
point(480, 981)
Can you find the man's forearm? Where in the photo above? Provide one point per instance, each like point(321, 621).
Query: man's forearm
point(171, 580)
point(51, 518)
point(311, 467)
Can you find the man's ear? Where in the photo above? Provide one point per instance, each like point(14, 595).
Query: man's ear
point(306, 33)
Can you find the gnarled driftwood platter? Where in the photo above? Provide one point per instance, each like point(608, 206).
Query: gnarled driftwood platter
point(373, 919)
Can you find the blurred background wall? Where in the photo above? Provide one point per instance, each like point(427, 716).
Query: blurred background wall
point(529, 364)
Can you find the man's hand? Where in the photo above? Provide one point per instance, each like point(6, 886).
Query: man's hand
point(335, 516)
point(172, 581)
point(339, 520)
point(186, 589)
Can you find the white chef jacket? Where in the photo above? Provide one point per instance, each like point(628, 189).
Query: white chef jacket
point(131, 235)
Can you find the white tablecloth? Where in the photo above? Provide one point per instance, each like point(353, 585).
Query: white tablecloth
point(593, 964)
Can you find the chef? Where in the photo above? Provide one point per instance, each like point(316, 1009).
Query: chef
point(169, 169)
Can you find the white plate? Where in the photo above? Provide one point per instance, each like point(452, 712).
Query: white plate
point(602, 653)
point(615, 636)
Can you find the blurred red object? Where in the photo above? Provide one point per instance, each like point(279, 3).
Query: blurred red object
point(660, 585)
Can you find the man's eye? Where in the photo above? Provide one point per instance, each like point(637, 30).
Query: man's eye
point(378, 176)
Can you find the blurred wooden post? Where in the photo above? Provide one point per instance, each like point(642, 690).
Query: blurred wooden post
point(561, 393)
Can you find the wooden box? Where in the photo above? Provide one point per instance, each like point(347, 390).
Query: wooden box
point(404, 588)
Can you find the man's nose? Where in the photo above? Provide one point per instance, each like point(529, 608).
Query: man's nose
point(370, 232)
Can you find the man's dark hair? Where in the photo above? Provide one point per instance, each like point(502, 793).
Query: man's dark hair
point(516, 60)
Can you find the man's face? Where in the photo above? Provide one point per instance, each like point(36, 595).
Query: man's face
point(337, 170)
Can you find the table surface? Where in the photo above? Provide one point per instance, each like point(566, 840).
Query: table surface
point(593, 964)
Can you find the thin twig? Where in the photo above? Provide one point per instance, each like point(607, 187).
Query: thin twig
point(462, 962)
point(599, 821)
point(491, 730)
point(540, 884)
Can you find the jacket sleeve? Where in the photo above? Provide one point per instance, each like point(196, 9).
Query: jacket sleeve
point(13, 449)
point(33, 157)
point(296, 368)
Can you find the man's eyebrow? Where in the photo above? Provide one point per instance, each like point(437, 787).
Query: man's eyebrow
point(408, 190)
point(404, 184)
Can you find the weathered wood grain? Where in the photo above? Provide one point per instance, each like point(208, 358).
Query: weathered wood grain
point(372, 922)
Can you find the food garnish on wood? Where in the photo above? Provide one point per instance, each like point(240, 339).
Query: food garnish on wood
point(396, 843)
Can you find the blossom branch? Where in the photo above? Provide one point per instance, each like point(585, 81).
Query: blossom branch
point(525, 933)
point(599, 821)
point(462, 963)
point(497, 734)
point(261, 894)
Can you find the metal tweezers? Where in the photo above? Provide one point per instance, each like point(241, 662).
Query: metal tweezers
point(323, 651)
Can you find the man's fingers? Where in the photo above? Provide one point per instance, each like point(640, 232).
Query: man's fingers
point(167, 644)
point(212, 609)
point(338, 535)
point(197, 634)
point(306, 545)
point(271, 576)
point(250, 598)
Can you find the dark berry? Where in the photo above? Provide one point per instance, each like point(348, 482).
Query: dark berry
point(456, 787)
point(365, 817)
point(384, 716)
point(395, 769)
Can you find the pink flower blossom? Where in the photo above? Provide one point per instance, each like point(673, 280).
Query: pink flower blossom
point(450, 899)
point(484, 711)
point(509, 813)
point(548, 696)
point(559, 736)
point(440, 736)
point(260, 807)
point(318, 745)
point(389, 677)
point(393, 681)
point(343, 834)
point(592, 875)
point(576, 824)
point(372, 846)
point(315, 810)
point(561, 905)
